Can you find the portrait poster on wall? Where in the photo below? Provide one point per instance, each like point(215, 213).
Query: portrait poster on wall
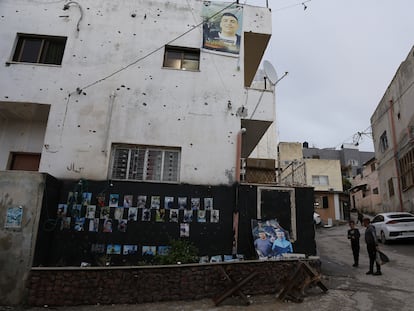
point(270, 239)
point(14, 217)
point(142, 201)
point(155, 202)
point(222, 27)
point(182, 202)
point(184, 230)
point(113, 200)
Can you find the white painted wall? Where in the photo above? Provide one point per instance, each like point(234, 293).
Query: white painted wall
point(396, 105)
point(142, 103)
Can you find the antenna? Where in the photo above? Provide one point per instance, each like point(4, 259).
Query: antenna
point(270, 72)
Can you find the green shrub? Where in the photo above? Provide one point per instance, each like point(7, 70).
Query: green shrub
point(181, 251)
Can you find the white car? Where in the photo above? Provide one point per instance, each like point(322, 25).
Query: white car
point(393, 226)
point(317, 218)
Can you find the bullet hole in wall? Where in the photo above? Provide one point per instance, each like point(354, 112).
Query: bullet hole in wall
point(6, 96)
point(134, 34)
point(144, 94)
point(78, 125)
point(133, 15)
point(61, 89)
point(144, 104)
point(84, 93)
point(165, 105)
point(117, 88)
point(195, 168)
point(122, 85)
point(79, 74)
point(179, 119)
point(206, 104)
point(119, 31)
point(128, 88)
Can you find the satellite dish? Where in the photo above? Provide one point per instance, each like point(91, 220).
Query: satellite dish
point(270, 72)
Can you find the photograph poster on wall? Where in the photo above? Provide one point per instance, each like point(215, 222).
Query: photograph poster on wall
point(142, 201)
point(184, 230)
point(155, 202)
point(270, 239)
point(14, 217)
point(182, 202)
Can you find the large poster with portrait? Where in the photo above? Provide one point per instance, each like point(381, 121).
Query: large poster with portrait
point(222, 27)
point(270, 239)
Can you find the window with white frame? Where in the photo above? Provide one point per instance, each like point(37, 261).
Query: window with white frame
point(145, 163)
point(320, 180)
point(39, 49)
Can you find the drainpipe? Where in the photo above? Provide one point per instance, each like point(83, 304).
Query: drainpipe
point(236, 212)
point(238, 153)
point(395, 147)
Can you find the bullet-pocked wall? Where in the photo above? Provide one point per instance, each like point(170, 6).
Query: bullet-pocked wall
point(122, 222)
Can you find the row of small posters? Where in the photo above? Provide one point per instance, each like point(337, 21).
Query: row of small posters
point(120, 225)
point(154, 202)
point(132, 249)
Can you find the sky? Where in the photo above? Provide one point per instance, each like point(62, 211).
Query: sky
point(341, 56)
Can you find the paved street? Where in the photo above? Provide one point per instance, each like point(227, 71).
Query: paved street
point(349, 287)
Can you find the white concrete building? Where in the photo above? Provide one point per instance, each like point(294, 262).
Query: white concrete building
point(125, 90)
point(393, 133)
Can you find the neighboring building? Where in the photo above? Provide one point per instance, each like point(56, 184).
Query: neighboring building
point(322, 174)
point(365, 193)
point(349, 155)
point(393, 133)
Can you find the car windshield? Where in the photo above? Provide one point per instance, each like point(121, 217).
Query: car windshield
point(400, 215)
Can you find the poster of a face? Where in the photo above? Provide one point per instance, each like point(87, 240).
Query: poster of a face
point(119, 213)
point(270, 239)
point(14, 217)
point(90, 211)
point(184, 230)
point(130, 249)
point(86, 198)
point(132, 214)
point(168, 202)
point(208, 203)
point(128, 200)
point(113, 200)
point(62, 210)
point(182, 202)
point(142, 201)
point(215, 216)
point(222, 27)
point(155, 202)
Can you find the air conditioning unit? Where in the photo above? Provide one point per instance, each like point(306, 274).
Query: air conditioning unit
point(331, 189)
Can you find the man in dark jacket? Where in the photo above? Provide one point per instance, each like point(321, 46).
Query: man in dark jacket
point(372, 246)
point(353, 235)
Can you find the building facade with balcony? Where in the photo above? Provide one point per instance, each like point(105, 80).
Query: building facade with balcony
point(393, 133)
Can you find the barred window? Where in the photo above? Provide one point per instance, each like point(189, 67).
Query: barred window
point(406, 164)
point(145, 163)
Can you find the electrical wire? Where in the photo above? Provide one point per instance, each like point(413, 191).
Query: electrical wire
point(153, 51)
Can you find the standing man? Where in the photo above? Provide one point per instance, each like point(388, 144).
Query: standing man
point(372, 246)
point(354, 235)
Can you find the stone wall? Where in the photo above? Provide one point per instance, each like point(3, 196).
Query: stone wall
point(132, 285)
